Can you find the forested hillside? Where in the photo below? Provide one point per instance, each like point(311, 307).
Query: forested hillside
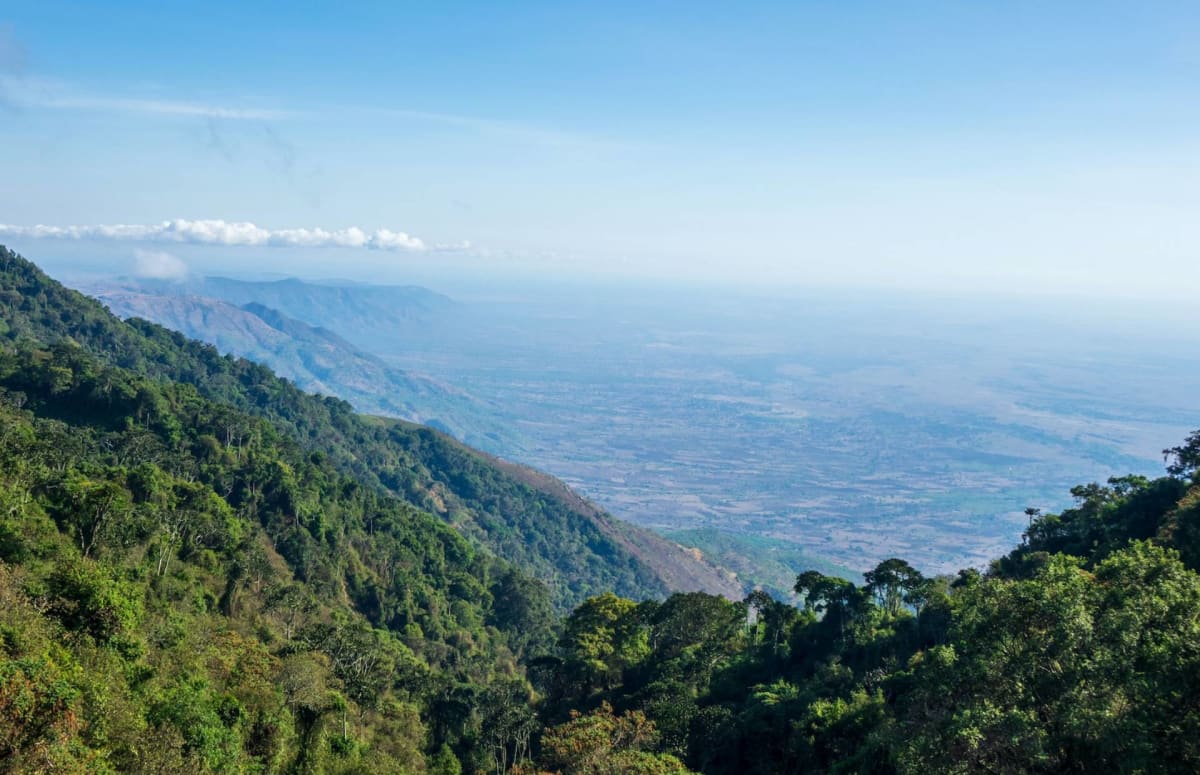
point(187, 589)
point(570, 549)
point(204, 570)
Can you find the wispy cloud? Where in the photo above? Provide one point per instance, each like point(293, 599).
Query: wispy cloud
point(231, 234)
point(42, 93)
point(503, 128)
point(32, 93)
point(161, 107)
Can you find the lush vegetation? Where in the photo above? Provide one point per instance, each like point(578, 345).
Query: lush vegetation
point(204, 570)
point(540, 531)
point(1078, 652)
point(185, 588)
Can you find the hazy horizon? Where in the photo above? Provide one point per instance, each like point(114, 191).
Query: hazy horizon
point(1015, 149)
point(1169, 320)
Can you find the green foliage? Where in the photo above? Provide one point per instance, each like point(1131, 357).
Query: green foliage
point(1184, 460)
point(894, 582)
point(603, 743)
point(188, 586)
point(1066, 669)
point(534, 527)
point(203, 570)
point(522, 609)
point(603, 637)
point(90, 598)
point(39, 721)
point(1051, 662)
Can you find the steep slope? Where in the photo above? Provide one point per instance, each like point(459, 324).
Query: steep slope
point(679, 567)
point(320, 361)
point(575, 555)
point(184, 588)
point(317, 360)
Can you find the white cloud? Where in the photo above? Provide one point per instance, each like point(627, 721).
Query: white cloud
point(159, 265)
point(228, 233)
point(395, 240)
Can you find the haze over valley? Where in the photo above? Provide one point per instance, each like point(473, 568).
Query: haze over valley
point(840, 427)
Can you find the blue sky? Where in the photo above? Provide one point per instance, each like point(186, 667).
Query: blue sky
point(1029, 147)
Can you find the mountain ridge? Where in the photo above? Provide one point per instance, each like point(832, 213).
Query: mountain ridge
point(318, 360)
point(352, 310)
point(568, 549)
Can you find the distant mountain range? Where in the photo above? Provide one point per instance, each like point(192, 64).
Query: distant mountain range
point(353, 310)
point(316, 359)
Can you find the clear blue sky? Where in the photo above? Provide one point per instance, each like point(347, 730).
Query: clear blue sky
point(1028, 146)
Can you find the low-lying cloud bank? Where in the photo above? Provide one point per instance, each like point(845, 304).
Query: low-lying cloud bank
point(226, 233)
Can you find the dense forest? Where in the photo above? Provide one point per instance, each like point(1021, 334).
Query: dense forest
point(576, 555)
point(1077, 652)
point(203, 569)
